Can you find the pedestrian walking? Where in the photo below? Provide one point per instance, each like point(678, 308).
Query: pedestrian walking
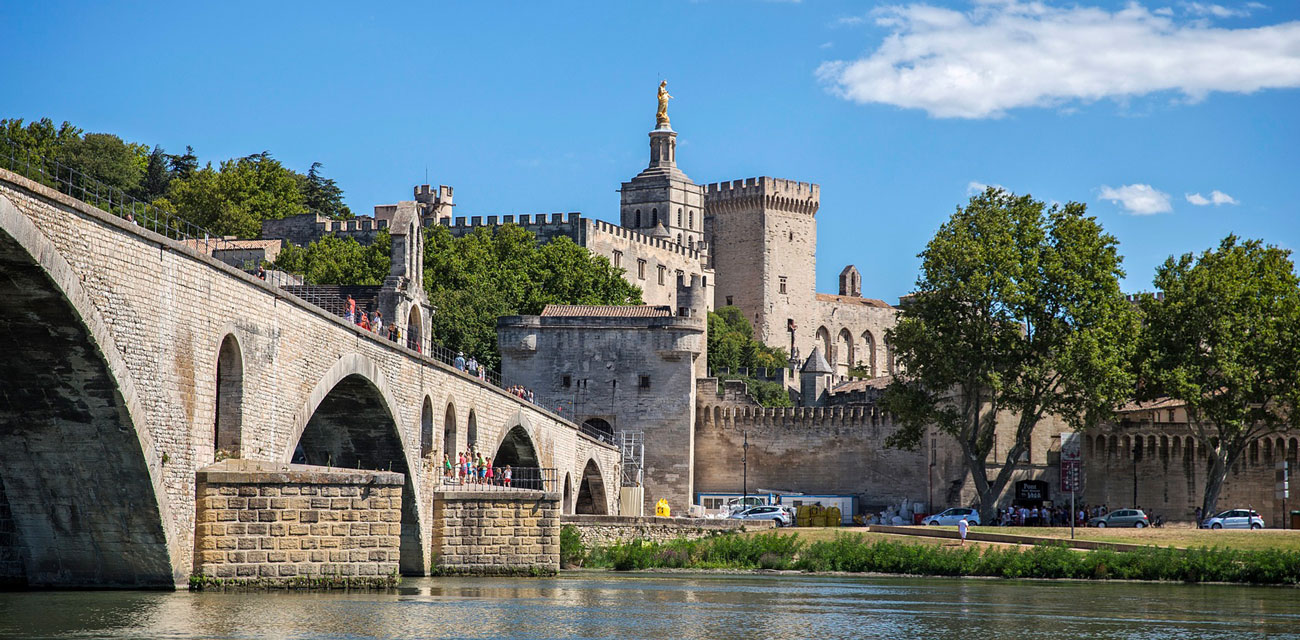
point(962, 527)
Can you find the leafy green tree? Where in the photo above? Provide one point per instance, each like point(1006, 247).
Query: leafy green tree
point(333, 260)
point(322, 195)
point(732, 347)
point(474, 279)
point(157, 176)
point(40, 138)
point(1225, 340)
point(1018, 314)
point(237, 197)
point(184, 165)
point(106, 158)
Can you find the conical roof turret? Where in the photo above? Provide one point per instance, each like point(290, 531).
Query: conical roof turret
point(816, 362)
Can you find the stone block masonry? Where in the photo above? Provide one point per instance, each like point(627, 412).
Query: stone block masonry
point(600, 531)
point(262, 524)
point(496, 533)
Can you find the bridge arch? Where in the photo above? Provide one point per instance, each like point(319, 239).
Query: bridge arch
point(471, 432)
point(517, 448)
point(591, 491)
point(351, 420)
point(566, 507)
point(449, 445)
point(74, 423)
point(228, 415)
point(426, 429)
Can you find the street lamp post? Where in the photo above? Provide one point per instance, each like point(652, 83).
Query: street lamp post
point(744, 473)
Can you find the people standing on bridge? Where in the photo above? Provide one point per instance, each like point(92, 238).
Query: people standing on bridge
point(377, 323)
point(446, 465)
point(507, 476)
point(365, 322)
point(350, 310)
point(487, 472)
point(459, 362)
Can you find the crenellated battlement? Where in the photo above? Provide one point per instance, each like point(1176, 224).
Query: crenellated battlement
point(347, 227)
point(792, 418)
point(633, 235)
point(767, 192)
point(525, 220)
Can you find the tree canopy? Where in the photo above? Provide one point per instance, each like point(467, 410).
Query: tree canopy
point(334, 260)
point(1017, 314)
point(474, 279)
point(231, 199)
point(732, 347)
point(1224, 338)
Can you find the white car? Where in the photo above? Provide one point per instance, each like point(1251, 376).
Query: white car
point(1234, 519)
point(766, 512)
point(952, 516)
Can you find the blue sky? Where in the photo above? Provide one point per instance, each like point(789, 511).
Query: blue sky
point(1143, 111)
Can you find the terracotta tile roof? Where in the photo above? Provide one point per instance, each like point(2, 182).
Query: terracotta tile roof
point(605, 311)
point(879, 383)
point(1162, 403)
point(866, 302)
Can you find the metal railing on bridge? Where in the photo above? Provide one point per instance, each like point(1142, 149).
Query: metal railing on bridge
point(514, 479)
point(115, 201)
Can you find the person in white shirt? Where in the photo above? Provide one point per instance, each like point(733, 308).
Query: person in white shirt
point(962, 527)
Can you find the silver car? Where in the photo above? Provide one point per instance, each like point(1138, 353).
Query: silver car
point(1234, 519)
point(766, 512)
point(952, 516)
point(1121, 518)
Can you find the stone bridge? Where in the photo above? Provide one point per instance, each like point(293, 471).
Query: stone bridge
point(131, 361)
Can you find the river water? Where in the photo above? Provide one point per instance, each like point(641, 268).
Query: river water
point(676, 606)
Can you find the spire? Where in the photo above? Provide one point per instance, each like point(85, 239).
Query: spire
point(816, 362)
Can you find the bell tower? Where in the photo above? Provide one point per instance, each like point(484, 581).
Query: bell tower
point(662, 194)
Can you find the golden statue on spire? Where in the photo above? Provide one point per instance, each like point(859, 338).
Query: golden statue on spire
point(661, 116)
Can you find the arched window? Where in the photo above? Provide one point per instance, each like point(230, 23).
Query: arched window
point(471, 432)
point(690, 242)
point(449, 431)
point(690, 219)
point(426, 428)
point(679, 216)
point(679, 238)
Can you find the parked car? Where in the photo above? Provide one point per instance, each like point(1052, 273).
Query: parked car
point(766, 512)
point(952, 516)
point(1121, 518)
point(1234, 519)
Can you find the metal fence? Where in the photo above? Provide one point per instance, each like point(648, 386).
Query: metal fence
point(515, 479)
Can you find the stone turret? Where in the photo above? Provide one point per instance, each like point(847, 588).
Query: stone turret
point(402, 300)
point(663, 195)
point(851, 282)
point(815, 379)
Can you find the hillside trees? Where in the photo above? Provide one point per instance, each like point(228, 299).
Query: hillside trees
point(1017, 315)
point(231, 199)
point(1225, 340)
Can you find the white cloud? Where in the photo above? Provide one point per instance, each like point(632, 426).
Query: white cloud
point(826, 45)
point(1216, 198)
point(1006, 54)
point(1138, 199)
point(1220, 11)
point(974, 187)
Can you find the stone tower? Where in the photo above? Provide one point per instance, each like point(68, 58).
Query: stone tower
point(815, 380)
point(851, 282)
point(763, 244)
point(663, 195)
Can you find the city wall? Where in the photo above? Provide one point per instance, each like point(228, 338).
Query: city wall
point(599, 531)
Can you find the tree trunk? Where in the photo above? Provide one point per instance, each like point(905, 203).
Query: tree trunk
point(1220, 462)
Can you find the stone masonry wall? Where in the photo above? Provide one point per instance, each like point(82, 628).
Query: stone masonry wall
point(11, 566)
point(168, 308)
point(496, 532)
point(598, 531)
point(274, 525)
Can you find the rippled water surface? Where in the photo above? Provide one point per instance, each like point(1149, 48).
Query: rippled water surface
point(679, 606)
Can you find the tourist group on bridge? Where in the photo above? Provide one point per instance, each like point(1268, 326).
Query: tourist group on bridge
point(472, 468)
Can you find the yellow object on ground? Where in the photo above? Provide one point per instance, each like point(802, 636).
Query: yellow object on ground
point(833, 517)
point(662, 510)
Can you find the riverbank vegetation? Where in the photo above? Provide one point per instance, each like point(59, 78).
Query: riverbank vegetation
point(855, 554)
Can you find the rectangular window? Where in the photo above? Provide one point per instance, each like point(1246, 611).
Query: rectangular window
point(567, 382)
point(662, 271)
point(729, 302)
point(618, 258)
point(704, 280)
point(782, 284)
point(645, 382)
point(640, 269)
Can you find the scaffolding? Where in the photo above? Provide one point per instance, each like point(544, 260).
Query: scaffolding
point(631, 446)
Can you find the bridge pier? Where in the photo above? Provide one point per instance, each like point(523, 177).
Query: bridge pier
point(515, 532)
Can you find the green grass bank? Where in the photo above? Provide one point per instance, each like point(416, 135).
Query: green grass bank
point(852, 553)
